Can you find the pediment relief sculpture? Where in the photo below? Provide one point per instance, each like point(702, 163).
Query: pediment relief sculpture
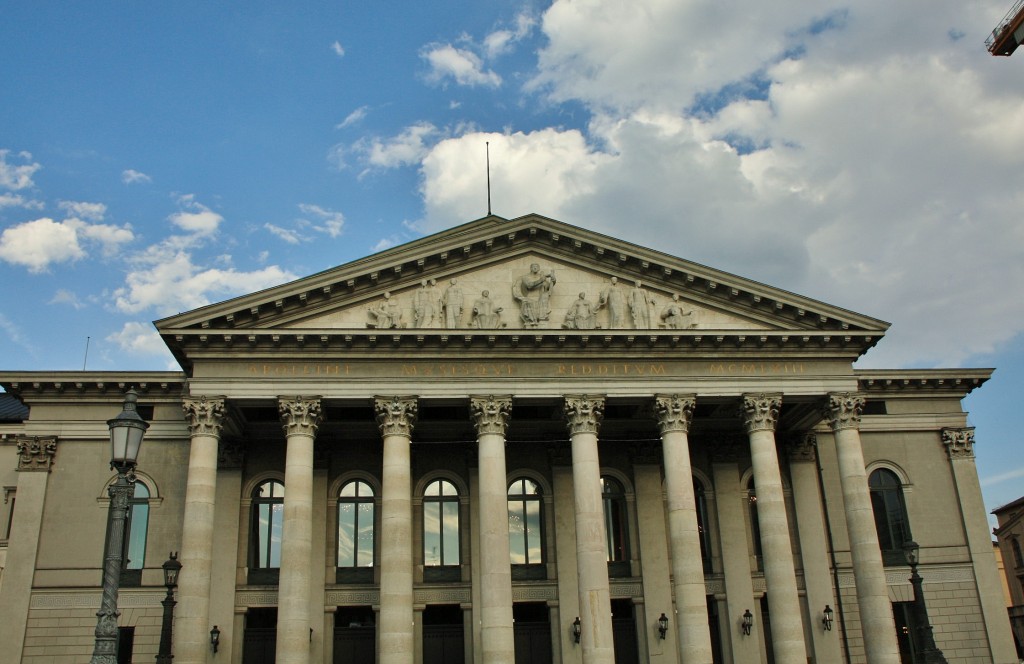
point(525, 294)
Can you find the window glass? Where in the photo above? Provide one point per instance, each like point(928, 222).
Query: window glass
point(755, 523)
point(524, 522)
point(890, 511)
point(268, 523)
point(702, 521)
point(138, 525)
point(440, 524)
point(616, 533)
point(355, 525)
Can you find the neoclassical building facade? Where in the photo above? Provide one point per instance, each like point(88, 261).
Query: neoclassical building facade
point(512, 441)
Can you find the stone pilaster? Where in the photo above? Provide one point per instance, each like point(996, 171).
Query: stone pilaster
point(674, 413)
point(583, 418)
point(843, 414)
point(300, 419)
point(490, 416)
point(760, 416)
point(960, 447)
point(191, 637)
point(396, 417)
point(810, 525)
point(36, 455)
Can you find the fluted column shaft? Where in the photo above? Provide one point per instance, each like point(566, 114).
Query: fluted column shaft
point(583, 415)
point(694, 638)
point(191, 637)
point(490, 417)
point(877, 626)
point(301, 417)
point(396, 418)
point(760, 415)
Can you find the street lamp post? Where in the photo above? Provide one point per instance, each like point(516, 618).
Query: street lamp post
point(925, 640)
point(171, 569)
point(126, 432)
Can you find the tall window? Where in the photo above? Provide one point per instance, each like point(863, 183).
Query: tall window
point(890, 511)
point(702, 523)
point(525, 523)
point(1018, 557)
point(137, 526)
point(755, 524)
point(616, 526)
point(267, 523)
point(355, 533)
point(440, 525)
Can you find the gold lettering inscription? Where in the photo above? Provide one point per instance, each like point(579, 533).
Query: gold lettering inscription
point(755, 368)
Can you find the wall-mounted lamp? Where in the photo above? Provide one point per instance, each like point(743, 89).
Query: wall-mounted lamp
point(215, 638)
point(827, 617)
point(662, 626)
point(748, 622)
point(577, 629)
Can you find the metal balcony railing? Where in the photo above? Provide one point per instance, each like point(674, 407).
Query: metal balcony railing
point(1004, 25)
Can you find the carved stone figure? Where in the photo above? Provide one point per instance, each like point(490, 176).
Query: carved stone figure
point(673, 317)
point(532, 291)
point(582, 315)
point(614, 299)
point(423, 304)
point(386, 315)
point(486, 316)
point(639, 301)
point(452, 302)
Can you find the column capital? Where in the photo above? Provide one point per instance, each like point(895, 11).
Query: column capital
point(674, 411)
point(803, 446)
point(300, 415)
point(490, 413)
point(583, 413)
point(204, 415)
point(843, 410)
point(761, 411)
point(396, 416)
point(959, 442)
point(36, 453)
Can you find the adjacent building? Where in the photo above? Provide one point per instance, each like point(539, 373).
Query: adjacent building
point(512, 441)
point(1010, 537)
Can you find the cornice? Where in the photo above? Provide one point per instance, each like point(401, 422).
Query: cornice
point(59, 385)
point(880, 382)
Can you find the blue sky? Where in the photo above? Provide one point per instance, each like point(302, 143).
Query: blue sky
point(154, 158)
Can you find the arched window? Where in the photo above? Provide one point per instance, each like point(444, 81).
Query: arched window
point(440, 525)
point(890, 510)
point(267, 524)
point(616, 526)
point(133, 553)
point(1018, 557)
point(755, 524)
point(525, 527)
point(702, 523)
point(355, 532)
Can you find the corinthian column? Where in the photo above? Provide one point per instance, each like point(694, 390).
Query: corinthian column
point(191, 638)
point(583, 417)
point(490, 416)
point(760, 415)
point(694, 640)
point(300, 417)
point(396, 417)
point(879, 631)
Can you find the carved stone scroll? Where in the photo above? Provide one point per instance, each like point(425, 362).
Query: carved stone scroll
point(843, 410)
point(761, 411)
point(300, 415)
point(36, 453)
point(675, 411)
point(490, 414)
point(583, 414)
point(959, 442)
point(396, 416)
point(204, 415)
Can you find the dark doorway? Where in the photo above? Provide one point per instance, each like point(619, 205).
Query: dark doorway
point(260, 641)
point(355, 635)
point(443, 641)
point(624, 632)
point(766, 628)
point(715, 627)
point(903, 616)
point(532, 626)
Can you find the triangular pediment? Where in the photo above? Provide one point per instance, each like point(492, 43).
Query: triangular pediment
point(626, 289)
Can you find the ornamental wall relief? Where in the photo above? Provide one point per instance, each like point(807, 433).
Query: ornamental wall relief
point(529, 292)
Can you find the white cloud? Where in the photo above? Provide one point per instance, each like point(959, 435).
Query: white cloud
point(16, 177)
point(385, 243)
point(196, 218)
point(289, 236)
point(64, 296)
point(165, 279)
point(338, 49)
point(408, 147)
point(324, 220)
point(13, 332)
point(353, 117)
point(134, 177)
point(461, 65)
point(90, 211)
point(501, 41)
point(40, 243)
point(17, 200)
point(137, 338)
